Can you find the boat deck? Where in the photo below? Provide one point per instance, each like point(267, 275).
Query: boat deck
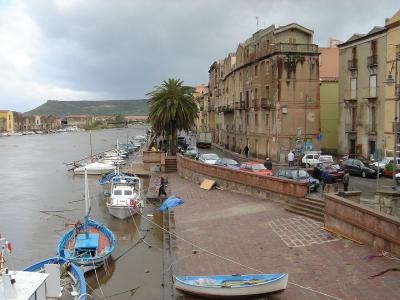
point(102, 244)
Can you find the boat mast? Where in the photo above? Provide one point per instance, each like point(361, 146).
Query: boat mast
point(91, 148)
point(117, 157)
point(87, 203)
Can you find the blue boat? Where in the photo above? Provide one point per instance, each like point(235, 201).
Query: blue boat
point(73, 282)
point(231, 286)
point(88, 244)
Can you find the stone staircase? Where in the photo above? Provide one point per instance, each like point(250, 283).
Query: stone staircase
point(170, 164)
point(311, 207)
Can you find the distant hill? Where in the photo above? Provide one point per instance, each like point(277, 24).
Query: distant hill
point(97, 108)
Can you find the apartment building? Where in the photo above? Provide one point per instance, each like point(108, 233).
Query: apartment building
point(266, 94)
point(329, 96)
point(362, 70)
point(392, 26)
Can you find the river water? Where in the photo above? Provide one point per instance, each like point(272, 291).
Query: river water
point(38, 197)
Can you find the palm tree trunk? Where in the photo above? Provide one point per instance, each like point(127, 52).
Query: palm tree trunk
point(173, 137)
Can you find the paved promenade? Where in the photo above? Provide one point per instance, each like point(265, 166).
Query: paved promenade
point(263, 236)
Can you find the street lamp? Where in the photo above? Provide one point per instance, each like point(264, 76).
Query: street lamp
point(390, 81)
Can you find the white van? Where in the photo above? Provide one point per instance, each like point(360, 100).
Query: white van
point(313, 159)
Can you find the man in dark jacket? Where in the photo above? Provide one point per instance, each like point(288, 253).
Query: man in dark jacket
point(246, 151)
point(268, 164)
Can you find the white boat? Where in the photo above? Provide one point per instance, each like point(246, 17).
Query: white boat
point(125, 196)
point(231, 286)
point(95, 168)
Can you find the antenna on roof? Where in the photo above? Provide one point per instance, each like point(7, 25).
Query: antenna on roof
point(258, 21)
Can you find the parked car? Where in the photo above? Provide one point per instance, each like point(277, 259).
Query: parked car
point(255, 167)
point(191, 152)
point(362, 168)
point(209, 158)
point(300, 175)
point(228, 162)
point(334, 170)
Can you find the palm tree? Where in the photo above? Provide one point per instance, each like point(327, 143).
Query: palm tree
point(171, 108)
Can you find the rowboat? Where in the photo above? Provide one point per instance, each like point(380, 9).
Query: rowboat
point(231, 286)
point(66, 278)
point(88, 244)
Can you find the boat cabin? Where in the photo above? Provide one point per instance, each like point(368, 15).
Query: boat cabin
point(86, 244)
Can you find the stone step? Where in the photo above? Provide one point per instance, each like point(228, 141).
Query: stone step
point(310, 206)
point(306, 214)
point(317, 203)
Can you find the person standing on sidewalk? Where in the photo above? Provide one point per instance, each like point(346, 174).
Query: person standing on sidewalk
point(346, 180)
point(246, 151)
point(290, 157)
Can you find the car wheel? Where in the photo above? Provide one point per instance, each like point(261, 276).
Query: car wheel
point(363, 174)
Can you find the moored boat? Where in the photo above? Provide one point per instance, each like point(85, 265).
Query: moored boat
point(231, 286)
point(88, 244)
point(125, 196)
point(95, 168)
point(69, 281)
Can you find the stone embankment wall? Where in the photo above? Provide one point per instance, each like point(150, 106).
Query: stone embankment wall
point(266, 187)
point(380, 230)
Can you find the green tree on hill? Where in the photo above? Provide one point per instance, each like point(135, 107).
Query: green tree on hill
point(172, 108)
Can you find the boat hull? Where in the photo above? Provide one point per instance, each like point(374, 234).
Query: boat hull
point(75, 274)
point(122, 212)
point(239, 286)
point(106, 245)
point(81, 171)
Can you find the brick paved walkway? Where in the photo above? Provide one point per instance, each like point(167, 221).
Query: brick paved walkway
point(262, 235)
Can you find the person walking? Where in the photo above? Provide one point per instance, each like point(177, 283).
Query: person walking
point(246, 151)
point(290, 157)
point(346, 180)
point(268, 163)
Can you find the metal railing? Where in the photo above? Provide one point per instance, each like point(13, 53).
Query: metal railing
point(301, 48)
point(372, 61)
point(350, 127)
point(266, 103)
point(352, 64)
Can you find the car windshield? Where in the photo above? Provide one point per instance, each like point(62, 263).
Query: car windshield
point(210, 156)
point(301, 174)
point(258, 167)
point(191, 148)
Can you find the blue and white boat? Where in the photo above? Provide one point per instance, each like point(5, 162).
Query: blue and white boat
point(68, 281)
point(231, 286)
point(88, 244)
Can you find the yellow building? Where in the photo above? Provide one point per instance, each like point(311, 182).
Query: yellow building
point(7, 121)
point(393, 51)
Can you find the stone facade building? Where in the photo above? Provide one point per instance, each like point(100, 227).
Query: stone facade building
point(392, 26)
point(266, 94)
point(362, 70)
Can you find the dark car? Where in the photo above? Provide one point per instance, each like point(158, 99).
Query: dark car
point(300, 175)
point(334, 170)
point(358, 167)
point(228, 163)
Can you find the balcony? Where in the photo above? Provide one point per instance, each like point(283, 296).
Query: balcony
point(350, 127)
point(372, 61)
point(299, 48)
point(229, 108)
point(352, 64)
point(266, 103)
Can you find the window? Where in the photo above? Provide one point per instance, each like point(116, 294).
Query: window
point(247, 119)
point(372, 86)
point(256, 120)
point(353, 88)
point(240, 96)
point(117, 192)
point(267, 44)
point(354, 53)
point(267, 92)
point(256, 70)
point(267, 68)
point(373, 47)
point(372, 113)
point(127, 192)
point(292, 40)
point(255, 94)
point(353, 113)
point(266, 120)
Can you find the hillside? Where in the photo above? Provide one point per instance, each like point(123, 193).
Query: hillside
point(97, 108)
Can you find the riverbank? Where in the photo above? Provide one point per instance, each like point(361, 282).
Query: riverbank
point(229, 233)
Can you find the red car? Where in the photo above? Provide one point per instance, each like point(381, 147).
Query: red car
point(333, 169)
point(255, 167)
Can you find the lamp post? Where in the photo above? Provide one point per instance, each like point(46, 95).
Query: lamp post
point(390, 81)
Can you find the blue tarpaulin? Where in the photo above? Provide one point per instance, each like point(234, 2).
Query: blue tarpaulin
point(171, 201)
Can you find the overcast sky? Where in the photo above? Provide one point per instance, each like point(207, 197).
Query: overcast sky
point(121, 49)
